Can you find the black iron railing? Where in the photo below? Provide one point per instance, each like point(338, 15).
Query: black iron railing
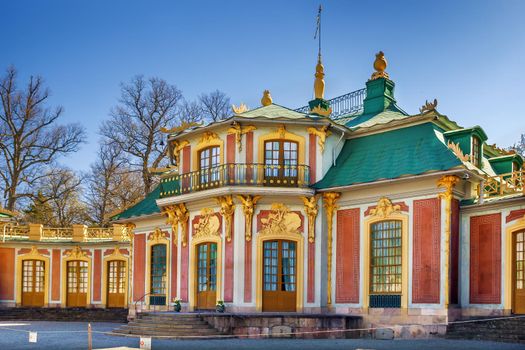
point(342, 105)
point(238, 175)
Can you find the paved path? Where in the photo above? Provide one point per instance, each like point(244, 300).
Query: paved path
point(71, 335)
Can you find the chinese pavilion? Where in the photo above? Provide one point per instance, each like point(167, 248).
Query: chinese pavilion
point(349, 205)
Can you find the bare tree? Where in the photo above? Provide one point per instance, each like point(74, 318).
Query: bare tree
point(190, 112)
point(144, 107)
point(60, 191)
point(30, 139)
point(112, 184)
point(520, 146)
point(215, 105)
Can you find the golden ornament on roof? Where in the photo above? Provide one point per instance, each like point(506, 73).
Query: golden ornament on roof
point(266, 100)
point(380, 64)
point(319, 80)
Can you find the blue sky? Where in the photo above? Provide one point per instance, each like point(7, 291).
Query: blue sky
point(470, 55)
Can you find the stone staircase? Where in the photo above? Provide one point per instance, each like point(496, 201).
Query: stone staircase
point(172, 325)
point(63, 314)
point(510, 329)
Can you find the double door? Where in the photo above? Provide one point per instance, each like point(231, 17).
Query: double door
point(116, 283)
point(33, 283)
point(279, 276)
point(77, 283)
point(206, 275)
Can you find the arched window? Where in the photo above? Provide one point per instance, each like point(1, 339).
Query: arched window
point(280, 162)
point(386, 263)
point(209, 161)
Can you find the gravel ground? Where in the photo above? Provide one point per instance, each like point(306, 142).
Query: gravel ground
point(72, 335)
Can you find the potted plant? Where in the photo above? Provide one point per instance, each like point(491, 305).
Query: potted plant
point(176, 304)
point(219, 307)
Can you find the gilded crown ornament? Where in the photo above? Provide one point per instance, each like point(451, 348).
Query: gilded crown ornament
point(266, 100)
point(380, 64)
point(429, 106)
point(239, 109)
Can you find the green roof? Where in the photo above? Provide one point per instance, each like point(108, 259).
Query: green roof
point(146, 206)
point(273, 111)
point(409, 151)
point(392, 113)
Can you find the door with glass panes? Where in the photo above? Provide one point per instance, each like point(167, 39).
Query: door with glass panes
point(279, 276)
point(206, 275)
point(158, 275)
point(518, 273)
point(280, 163)
point(116, 283)
point(33, 283)
point(77, 283)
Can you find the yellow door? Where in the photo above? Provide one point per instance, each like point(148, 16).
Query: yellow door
point(77, 283)
point(116, 283)
point(206, 276)
point(33, 283)
point(279, 276)
point(518, 273)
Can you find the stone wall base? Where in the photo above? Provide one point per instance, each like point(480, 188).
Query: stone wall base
point(307, 326)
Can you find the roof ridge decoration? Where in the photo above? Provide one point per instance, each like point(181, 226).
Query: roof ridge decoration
point(319, 105)
point(266, 100)
point(240, 109)
point(428, 106)
point(380, 64)
point(177, 129)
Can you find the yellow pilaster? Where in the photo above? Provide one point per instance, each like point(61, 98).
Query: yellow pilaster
point(448, 182)
point(329, 198)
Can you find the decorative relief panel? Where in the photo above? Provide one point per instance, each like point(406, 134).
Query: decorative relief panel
point(207, 224)
point(280, 221)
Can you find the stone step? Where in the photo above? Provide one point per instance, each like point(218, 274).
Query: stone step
point(200, 332)
point(168, 326)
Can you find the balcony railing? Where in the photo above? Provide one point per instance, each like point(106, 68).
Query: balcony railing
point(344, 104)
point(241, 175)
point(504, 184)
point(13, 231)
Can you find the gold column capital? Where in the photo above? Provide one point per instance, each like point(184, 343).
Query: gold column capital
point(227, 210)
point(248, 207)
point(311, 208)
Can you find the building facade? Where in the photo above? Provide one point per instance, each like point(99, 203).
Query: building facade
point(349, 205)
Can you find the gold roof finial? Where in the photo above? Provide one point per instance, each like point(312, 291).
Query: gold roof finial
point(319, 79)
point(380, 64)
point(266, 100)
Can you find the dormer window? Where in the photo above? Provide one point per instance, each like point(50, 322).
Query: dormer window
point(476, 152)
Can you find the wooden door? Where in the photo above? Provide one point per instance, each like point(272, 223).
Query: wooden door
point(206, 276)
point(116, 283)
point(33, 283)
point(279, 276)
point(280, 163)
point(77, 283)
point(518, 273)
